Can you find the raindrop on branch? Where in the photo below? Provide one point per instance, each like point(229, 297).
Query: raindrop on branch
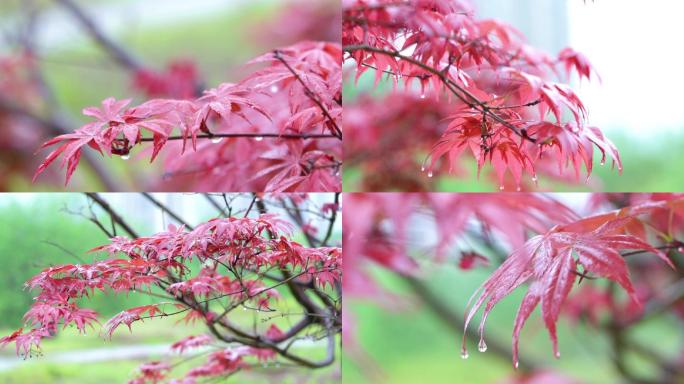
point(482, 346)
point(259, 138)
point(217, 140)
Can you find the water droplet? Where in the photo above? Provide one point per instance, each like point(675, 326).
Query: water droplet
point(125, 157)
point(557, 354)
point(516, 365)
point(501, 188)
point(216, 140)
point(259, 138)
point(422, 96)
point(482, 346)
point(430, 174)
point(603, 162)
point(620, 169)
point(518, 189)
point(422, 169)
point(274, 88)
point(534, 178)
point(244, 308)
point(464, 354)
point(680, 249)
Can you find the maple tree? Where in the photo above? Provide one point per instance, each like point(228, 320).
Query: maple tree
point(277, 128)
point(245, 259)
point(571, 260)
point(461, 87)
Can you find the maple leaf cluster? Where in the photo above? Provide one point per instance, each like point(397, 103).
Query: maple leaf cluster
point(233, 253)
point(275, 130)
point(550, 247)
point(507, 104)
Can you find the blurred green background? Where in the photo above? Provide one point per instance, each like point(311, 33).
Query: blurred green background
point(29, 226)
point(413, 345)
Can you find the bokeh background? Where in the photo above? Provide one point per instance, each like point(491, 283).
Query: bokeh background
point(636, 103)
point(42, 230)
point(218, 36)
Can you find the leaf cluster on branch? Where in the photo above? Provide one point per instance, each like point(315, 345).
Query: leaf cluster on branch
point(505, 102)
point(207, 274)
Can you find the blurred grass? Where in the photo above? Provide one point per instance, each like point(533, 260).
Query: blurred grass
point(413, 345)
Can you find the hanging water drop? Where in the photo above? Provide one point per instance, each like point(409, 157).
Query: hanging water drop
point(216, 140)
point(259, 138)
point(422, 169)
point(501, 188)
point(125, 157)
point(518, 189)
point(464, 354)
point(274, 88)
point(557, 354)
point(534, 178)
point(430, 174)
point(482, 346)
point(422, 95)
point(516, 365)
point(244, 308)
point(603, 162)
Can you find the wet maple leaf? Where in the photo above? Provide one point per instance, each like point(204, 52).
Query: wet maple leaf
point(550, 262)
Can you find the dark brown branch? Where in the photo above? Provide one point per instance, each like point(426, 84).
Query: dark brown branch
point(118, 53)
point(461, 93)
point(167, 210)
point(311, 94)
point(113, 214)
point(331, 221)
point(289, 136)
